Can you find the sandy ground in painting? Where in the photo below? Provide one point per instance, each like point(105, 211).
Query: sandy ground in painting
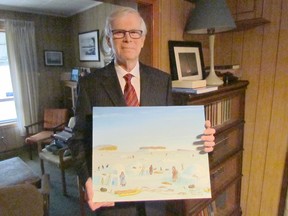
point(150, 175)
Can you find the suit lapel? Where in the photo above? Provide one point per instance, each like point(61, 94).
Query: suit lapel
point(112, 86)
point(145, 85)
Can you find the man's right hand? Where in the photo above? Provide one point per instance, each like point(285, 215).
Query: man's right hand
point(89, 192)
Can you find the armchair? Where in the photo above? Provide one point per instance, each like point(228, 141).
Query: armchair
point(25, 199)
point(54, 120)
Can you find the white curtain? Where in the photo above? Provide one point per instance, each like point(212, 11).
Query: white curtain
point(20, 36)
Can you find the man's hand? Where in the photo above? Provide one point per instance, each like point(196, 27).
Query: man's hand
point(208, 137)
point(89, 192)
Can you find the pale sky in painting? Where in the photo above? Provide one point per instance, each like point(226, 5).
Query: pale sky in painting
point(129, 128)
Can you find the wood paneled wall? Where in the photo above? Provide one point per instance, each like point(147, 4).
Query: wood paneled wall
point(263, 56)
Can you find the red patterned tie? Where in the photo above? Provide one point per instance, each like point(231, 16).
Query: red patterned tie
point(129, 92)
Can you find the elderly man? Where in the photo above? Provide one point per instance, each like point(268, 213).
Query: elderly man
point(124, 82)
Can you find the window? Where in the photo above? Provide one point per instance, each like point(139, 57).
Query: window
point(7, 104)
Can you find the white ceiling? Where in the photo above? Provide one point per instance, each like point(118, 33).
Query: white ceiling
point(64, 8)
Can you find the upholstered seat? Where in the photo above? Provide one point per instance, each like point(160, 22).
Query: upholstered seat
point(40, 137)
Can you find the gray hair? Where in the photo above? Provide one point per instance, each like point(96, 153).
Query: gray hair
point(119, 13)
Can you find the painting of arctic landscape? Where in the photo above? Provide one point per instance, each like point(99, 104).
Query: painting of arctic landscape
point(149, 153)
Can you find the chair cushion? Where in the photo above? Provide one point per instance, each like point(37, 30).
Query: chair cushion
point(23, 199)
point(41, 136)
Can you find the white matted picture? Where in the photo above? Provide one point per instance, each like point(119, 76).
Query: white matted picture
point(186, 60)
point(89, 46)
point(149, 153)
point(53, 58)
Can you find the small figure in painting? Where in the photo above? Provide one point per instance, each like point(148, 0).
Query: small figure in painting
point(122, 179)
point(174, 174)
point(151, 169)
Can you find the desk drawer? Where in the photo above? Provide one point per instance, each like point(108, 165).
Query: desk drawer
point(226, 172)
point(227, 144)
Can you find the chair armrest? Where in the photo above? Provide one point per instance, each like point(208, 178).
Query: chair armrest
point(61, 154)
point(27, 127)
point(35, 123)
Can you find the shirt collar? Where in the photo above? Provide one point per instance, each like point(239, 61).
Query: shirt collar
point(135, 71)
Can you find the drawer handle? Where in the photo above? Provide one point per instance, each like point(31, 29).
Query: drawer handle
point(217, 172)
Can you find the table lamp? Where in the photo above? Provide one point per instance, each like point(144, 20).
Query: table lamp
point(210, 17)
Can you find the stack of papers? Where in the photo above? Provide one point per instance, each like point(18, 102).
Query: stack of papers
point(195, 90)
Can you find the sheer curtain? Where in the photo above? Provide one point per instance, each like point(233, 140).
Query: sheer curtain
point(20, 36)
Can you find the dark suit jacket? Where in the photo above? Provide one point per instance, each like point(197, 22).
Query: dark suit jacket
point(102, 88)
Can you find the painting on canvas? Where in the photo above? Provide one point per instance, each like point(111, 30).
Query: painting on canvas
point(149, 153)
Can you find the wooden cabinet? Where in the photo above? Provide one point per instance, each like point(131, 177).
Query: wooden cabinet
point(225, 109)
point(247, 13)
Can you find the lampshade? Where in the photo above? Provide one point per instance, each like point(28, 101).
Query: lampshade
point(210, 17)
point(210, 14)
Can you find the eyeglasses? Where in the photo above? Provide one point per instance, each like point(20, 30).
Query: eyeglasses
point(119, 34)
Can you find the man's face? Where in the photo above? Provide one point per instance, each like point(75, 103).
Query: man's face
point(126, 48)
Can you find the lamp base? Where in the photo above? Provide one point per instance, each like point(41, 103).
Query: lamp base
point(213, 79)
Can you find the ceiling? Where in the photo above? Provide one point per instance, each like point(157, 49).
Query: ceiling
point(64, 8)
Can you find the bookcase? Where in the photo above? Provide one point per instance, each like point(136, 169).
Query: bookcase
point(225, 109)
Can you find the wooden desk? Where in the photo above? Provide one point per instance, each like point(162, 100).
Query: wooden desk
point(15, 171)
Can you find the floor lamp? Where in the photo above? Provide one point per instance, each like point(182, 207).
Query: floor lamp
point(210, 17)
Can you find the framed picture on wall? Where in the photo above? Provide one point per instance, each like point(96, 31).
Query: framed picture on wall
point(89, 46)
point(53, 58)
point(186, 60)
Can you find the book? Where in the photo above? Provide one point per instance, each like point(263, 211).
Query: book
point(188, 83)
point(195, 90)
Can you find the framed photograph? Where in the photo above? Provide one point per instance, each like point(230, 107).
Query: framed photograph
point(186, 60)
point(89, 46)
point(53, 58)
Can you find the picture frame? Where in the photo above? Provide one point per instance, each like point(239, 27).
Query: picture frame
point(89, 46)
point(186, 60)
point(53, 58)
